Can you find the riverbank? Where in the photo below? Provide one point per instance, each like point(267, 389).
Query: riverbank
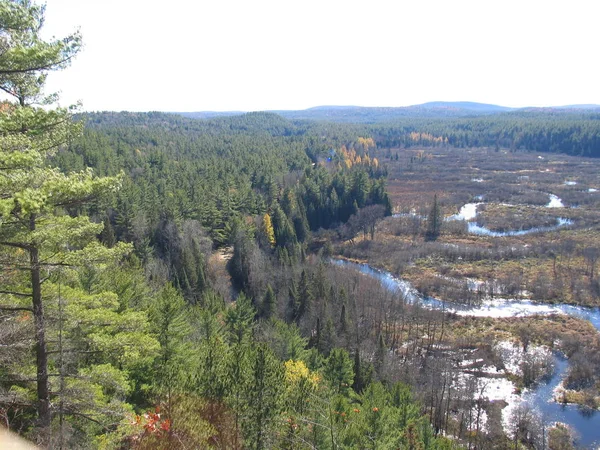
point(517, 350)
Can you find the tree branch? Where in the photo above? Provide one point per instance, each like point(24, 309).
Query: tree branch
point(15, 308)
point(18, 294)
point(17, 245)
point(49, 66)
point(86, 416)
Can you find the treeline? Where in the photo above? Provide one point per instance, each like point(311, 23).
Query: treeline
point(558, 132)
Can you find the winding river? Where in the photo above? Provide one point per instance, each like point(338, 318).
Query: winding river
point(469, 212)
point(586, 422)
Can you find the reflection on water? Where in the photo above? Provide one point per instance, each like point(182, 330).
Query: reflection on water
point(476, 229)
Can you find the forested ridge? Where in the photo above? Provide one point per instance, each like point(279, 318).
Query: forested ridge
point(571, 132)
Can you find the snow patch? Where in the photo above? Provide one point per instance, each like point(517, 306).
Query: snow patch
point(500, 308)
point(555, 202)
point(467, 212)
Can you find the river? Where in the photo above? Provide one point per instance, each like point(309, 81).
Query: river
point(468, 212)
point(585, 422)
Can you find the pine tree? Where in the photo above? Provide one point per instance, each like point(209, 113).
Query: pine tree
point(269, 303)
point(301, 226)
point(285, 235)
point(434, 221)
point(35, 233)
point(380, 355)
point(239, 320)
point(328, 338)
point(343, 320)
point(306, 296)
point(264, 399)
point(172, 328)
point(358, 384)
point(338, 370)
point(107, 236)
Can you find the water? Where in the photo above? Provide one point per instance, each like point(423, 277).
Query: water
point(490, 308)
point(469, 212)
point(585, 422)
point(473, 228)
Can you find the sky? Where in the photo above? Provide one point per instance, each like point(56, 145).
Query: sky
point(250, 55)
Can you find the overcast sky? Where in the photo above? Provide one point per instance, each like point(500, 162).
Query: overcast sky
point(247, 55)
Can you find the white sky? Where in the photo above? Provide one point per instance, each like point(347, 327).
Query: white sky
point(246, 55)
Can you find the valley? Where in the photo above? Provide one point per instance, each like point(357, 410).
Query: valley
point(516, 239)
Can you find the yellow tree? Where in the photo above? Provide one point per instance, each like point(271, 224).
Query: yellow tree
point(268, 229)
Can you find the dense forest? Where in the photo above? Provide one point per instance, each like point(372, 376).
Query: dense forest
point(166, 282)
point(571, 132)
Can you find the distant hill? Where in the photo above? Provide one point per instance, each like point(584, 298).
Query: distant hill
point(484, 108)
point(362, 114)
point(376, 114)
point(585, 107)
point(365, 114)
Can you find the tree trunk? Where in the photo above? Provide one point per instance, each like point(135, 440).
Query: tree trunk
point(43, 394)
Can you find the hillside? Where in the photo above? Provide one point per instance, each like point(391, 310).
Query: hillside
point(430, 110)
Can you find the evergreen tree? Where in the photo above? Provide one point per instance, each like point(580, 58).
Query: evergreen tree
point(107, 236)
point(363, 373)
point(285, 235)
point(269, 303)
point(380, 355)
point(210, 377)
point(338, 370)
point(328, 338)
point(36, 236)
point(343, 320)
point(264, 397)
point(305, 295)
point(168, 315)
point(434, 221)
point(239, 320)
point(301, 226)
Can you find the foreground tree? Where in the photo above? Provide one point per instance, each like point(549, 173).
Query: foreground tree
point(39, 231)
